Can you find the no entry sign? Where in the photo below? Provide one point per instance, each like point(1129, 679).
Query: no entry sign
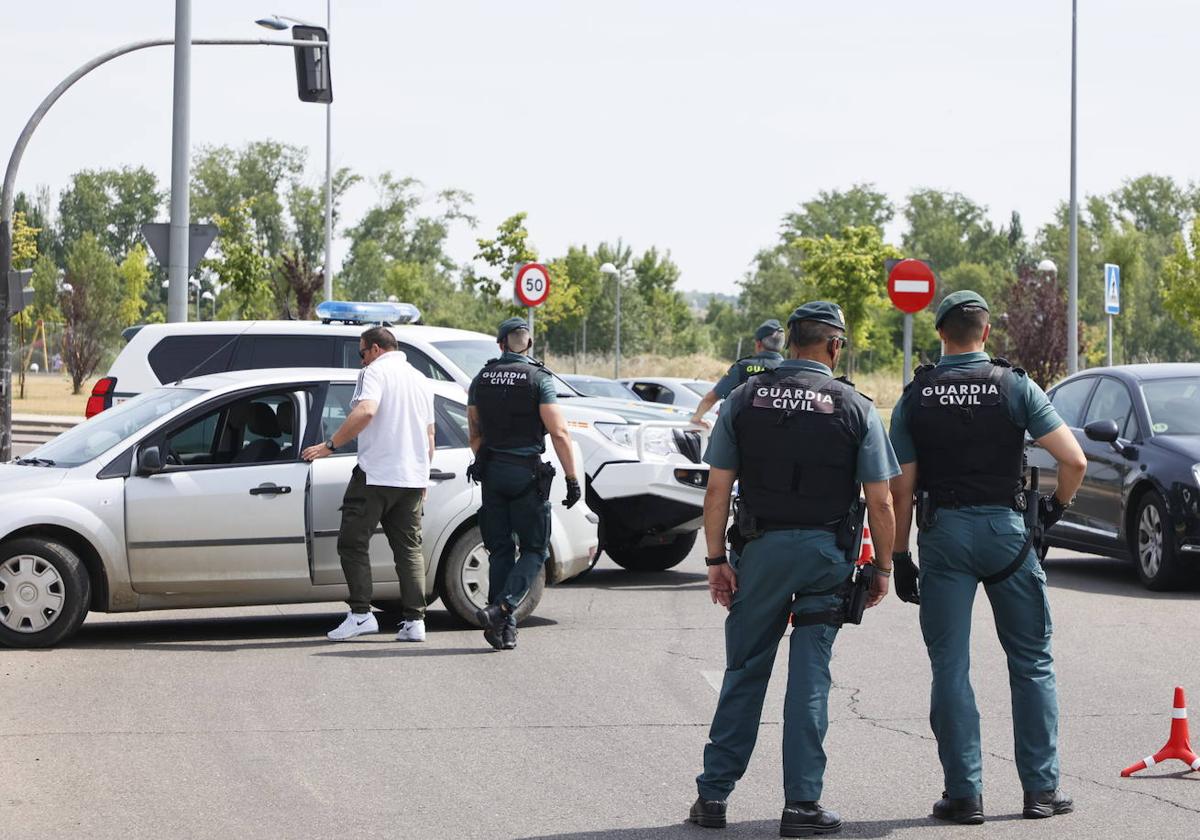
point(533, 284)
point(911, 285)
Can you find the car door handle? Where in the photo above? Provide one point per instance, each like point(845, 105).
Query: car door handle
point(438, 475)
point(270, 490)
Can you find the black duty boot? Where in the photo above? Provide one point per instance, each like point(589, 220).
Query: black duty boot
point(967, 810)
point(1046, 803)
point(803, 819)
point(508, 635)
point(494, 638)
point(708, 813)
point(493, 616)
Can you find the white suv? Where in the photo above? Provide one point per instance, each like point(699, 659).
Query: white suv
point(645, 478)
point(194, 495)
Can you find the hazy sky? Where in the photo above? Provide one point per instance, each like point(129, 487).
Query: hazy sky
point(693, 126)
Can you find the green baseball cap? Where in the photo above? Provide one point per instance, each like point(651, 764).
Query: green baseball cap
point(767, 328)
point(510, 325)
point(820, 310)
point(955, 300)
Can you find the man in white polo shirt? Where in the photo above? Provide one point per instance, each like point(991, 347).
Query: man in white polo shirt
point(392, 417)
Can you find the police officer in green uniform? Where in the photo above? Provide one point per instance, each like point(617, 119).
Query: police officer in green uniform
point(510, 410)
point(768, 341)
point(800, 443)
point(959, 433)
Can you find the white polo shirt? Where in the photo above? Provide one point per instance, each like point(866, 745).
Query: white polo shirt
point(393, 450)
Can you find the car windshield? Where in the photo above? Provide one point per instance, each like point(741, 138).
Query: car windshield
point(699, 388)
point(470, 355)
point(602, 388)
point(104, 431)
point(1174, 406)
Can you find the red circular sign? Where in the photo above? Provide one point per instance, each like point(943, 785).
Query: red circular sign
point(533, 284)
point(911, 285)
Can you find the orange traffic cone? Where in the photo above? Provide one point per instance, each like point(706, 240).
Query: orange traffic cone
point(867, 552)
point(1178, 745)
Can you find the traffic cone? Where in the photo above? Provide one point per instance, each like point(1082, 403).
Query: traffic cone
point(1178, 745)
point(867, 552)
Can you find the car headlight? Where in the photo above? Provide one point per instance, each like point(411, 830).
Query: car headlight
point(659, 440)
point(619, 433)
point(1196, 474)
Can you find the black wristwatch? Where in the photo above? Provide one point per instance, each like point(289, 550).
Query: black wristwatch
point(329, 445)
point(719, 560)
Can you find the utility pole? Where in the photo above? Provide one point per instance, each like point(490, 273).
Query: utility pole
point(1073, 236)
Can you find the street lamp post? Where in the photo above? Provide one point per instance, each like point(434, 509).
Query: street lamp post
point(1073, 235)
point(620, 275)
point(276, 22)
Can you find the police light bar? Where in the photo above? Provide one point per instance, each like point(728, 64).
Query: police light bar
point(359, 312)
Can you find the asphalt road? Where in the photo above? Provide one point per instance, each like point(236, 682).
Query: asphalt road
point(247, 723)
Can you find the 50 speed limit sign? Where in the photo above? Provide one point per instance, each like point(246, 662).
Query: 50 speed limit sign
point(532, 286)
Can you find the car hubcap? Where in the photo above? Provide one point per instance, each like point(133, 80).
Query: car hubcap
point(31, 594)
point(1150, 541)
point(474, 575)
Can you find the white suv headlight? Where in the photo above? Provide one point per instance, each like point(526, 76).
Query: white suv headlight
point(1196, 474)
point(619, 433)
point(659, 440)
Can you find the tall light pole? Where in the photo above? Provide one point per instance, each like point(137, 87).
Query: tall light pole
point(620, 275)
point(276, 22)
point(177, 261)
point(1073, 237)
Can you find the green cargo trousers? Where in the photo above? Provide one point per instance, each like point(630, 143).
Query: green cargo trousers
point(775, 575)
point(963, 546)
point(399, 510)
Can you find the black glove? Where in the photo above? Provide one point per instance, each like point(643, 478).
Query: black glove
point(1050, 510)
point(904, 572)
point(574, 494)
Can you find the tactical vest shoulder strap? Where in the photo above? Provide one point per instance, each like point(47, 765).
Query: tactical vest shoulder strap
point(918, 374)
point(845, 380)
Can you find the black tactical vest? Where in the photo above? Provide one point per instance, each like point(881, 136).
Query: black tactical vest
point(748, 366)
point(506, 395)
point(969, 451)
point(798, 436)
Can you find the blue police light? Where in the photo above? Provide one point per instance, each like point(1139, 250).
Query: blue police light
point(359, 312)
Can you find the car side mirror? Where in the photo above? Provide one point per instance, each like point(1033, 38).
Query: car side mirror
point(1103, 431)
point(149, 460)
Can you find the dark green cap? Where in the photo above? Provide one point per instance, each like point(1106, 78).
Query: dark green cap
point(820, 310)
point(767, 328)
point(956, 299)
point(510, 325)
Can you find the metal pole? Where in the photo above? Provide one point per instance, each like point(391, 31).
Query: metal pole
point(177, 263)
point(1073, 238)
point(5, 340)
point(529, 320)
point(908, 321)
point(617, 331)
point(328, 175)
point(1110, 333)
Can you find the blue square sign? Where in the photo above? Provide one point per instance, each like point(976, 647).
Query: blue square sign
point(1112, 289)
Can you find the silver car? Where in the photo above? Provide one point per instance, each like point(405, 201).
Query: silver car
point(194, 495)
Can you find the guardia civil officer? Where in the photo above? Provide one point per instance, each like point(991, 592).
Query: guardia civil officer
point(768, 341)
point(959, 432)
point(800, 443)
point(510, 409)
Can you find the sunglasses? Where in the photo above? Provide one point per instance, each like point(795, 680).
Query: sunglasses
point(839, 341)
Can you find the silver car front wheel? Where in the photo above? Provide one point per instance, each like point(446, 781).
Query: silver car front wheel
point(44, 592)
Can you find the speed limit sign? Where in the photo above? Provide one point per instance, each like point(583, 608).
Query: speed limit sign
point(533, 284)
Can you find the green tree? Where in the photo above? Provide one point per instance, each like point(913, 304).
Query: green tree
point(830, 212)
point(948, 228)
point(134, 273)
point(507, 252)
point(111, 204)
point(848, 271)
point(91, 304)
point(302, 282)
point(1180, 284)
point(240, 266)
point(255, 177)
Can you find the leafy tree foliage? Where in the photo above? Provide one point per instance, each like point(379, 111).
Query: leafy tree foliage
point(91, 305)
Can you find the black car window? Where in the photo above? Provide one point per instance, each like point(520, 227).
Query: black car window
point(1068, 399)
point(426, 366)
point(1112, 402)
point(450, 431)
point(252, 430)
point(284, 351)
point(336, 410)
point(178, 356)
point(1174, 406)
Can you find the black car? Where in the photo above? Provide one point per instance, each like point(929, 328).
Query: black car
point(1139, 426)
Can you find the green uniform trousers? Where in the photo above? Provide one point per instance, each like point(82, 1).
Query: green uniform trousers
point(963, 546)
point(773, 573)
point(398, 509)
point(512, 506)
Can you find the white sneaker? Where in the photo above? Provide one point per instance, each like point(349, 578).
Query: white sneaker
point(411, 631)
point(354, 625)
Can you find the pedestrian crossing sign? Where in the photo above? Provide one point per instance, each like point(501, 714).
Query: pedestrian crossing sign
point(1112, 289)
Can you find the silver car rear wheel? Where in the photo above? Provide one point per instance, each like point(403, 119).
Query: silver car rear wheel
point(463, 579)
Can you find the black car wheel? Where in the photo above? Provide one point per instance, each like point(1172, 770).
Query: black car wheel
point(1153, 544)
point(655, 558)
point(44, 593)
